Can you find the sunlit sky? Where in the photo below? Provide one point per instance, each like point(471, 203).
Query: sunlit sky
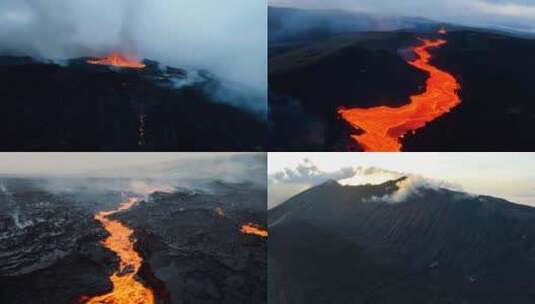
point(78, 163)
point(505, 175)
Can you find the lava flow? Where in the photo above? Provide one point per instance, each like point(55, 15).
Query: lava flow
point(254, 229)
point(383, 127)
point(118, 60)
point(126, 290)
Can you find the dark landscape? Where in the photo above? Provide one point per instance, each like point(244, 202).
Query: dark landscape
point(339, 60)
point(77, 106)
point(355, 244)
point(194, 243)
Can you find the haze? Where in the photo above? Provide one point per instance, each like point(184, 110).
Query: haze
point(505, 175)
point(227, 38)
point(517, 15)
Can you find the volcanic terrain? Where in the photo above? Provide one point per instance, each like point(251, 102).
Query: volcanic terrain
point(320, 75)
point(359, 244)
point(112, 104)
point(87, 246)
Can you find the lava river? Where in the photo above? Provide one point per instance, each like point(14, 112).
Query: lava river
point(126, 289)
point(254, 229)
point(383, 127)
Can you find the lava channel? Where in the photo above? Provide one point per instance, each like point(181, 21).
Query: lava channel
point(126, 289)
point(383, 127)
point(118, 60)
point(254, 229)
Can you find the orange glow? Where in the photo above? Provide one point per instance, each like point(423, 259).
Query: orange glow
point(383, 127)
point(220, 211)
point(251, 228)
point(118, 60)
point(126, 289)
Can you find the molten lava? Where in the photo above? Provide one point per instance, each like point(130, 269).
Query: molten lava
point(383, 127)
point(254, 229)
point(119, 60)
point(126, 290)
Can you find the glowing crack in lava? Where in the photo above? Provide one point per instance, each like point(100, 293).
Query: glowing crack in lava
point(254, 229)
point(383, 127)
point(126, 290)
point(118, 60)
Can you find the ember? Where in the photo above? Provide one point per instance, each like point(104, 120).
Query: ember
point(254, 229)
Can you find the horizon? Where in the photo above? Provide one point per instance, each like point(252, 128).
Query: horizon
point(516, 16)
point(501, 175)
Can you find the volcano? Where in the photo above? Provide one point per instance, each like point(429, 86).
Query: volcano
point(91, 245)
point(116, 103)
point(346, 81)
point(352, 244)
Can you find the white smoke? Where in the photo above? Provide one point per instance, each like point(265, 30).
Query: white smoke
point(227, 38)
point(410, 187)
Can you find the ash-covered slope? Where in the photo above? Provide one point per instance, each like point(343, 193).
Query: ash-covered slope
point(193, 249)
point(351, 244)
point(80, 106)
point(49, 247)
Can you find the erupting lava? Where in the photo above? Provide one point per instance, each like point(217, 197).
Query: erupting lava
point(118, 60)
point(383, 127)
point(126, 290)
point(251, 228)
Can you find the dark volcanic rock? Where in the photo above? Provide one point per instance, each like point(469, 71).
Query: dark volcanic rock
point(496, 76)
point(83, 107)
point(309, 84)
point(347, 244)
point(193, 244)
point(49, 247)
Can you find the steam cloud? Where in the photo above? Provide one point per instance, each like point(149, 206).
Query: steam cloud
point(227, 38)
point(185, 171)
point(410, 187)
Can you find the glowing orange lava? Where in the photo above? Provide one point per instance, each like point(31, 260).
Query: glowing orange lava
point(118, 60)
point(126, 290)
point(251, 228)
point(384, 126)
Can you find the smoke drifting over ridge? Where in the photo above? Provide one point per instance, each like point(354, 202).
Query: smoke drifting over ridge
point(227, 38)
point(160, 172)
point(286, 183)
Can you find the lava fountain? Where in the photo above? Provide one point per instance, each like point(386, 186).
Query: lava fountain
point(126, 289)
point(383, 127)
point(120, 60)
point(254, 229)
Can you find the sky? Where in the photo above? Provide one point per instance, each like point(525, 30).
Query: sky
point(509, 14)
point(505, 175)
point(72, 163)
point(228, 38)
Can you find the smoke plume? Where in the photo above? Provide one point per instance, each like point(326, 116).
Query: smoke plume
point(227, 38)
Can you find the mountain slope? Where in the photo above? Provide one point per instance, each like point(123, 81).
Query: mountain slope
point(438, 246)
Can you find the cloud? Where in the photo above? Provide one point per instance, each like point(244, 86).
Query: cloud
point(308, 173)
point(290, 181)
point(514, 14)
